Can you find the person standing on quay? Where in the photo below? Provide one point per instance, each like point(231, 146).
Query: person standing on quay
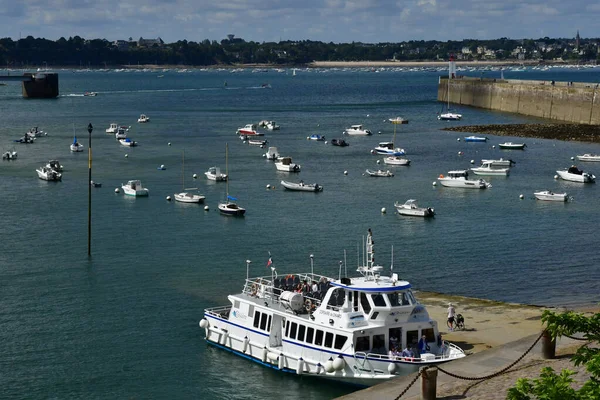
point(451, 316)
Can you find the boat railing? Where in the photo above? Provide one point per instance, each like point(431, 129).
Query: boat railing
point(451, 352)
point(219, 312)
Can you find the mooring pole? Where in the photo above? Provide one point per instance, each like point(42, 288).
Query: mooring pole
point(89, 183)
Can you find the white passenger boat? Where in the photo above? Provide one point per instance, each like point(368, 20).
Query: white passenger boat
point(128, 142)
point(500, 163)
point(460, 179)
point(574, 174)
point(112, 128)
point(396, 160)
point(550, 196)
point(76, 146)
point(357, 130)
point(302, 187)
point(589, 157)
point(48, 174)
point(143, 118)
point(134, 188)
point(271, 154)
point(285, 164)
point(215, 174)
point(487, 169)
point(346, 329)
point(387, 148)
point(379, 173)
point(411, 208)
point(512, 146)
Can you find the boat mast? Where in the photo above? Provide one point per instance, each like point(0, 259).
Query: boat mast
point(227, 173)
point(183, 171)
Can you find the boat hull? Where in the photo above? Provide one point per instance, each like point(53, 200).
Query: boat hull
point(395, 160)
point(461, 183)
point(302, 187)
point(581, 178)
point(185, 197)
point(231, 209)
point(589, 158)
point(549, 196)
point(513, 146)
point(491, 171)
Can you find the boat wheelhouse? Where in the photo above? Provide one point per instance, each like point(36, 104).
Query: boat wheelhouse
point(346, 329)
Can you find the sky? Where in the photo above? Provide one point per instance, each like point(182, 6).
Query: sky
point(338, 21)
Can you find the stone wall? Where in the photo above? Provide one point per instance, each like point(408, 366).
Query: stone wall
point(561, 101)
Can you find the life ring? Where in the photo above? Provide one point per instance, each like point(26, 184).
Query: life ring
point(254, 289)
point(441, 176)
point(308, 305)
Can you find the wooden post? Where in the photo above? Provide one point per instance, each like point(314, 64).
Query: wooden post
point(548, 346)
point(428, 382)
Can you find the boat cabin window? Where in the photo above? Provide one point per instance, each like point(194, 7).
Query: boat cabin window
point(354, 298)
point(263, 322)
point(365, 303)
point(399, 299)
point(429, 334)
point(236, 304)
point(340, 341)
point(375, 315)
point(411, 298)
point(329, 339)
point(301, 332)
point(363, 343)
point(293, 330)
point(379, 344)
point(336, 299)
point(319, 338)
point(256, 318)
point(310, 332)
point(412, 338)
point(378, 300)
point(287, 329)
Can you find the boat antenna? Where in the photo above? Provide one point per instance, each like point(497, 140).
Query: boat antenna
point(248, 262)
point(357, 255)
point(340, 273)
point(392, 264)
point(345, 265)
point(312, 267)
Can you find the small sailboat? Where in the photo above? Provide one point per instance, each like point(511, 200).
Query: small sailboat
point(76, 146)
point(186, 196)
point(450, 116)
point(229, 206)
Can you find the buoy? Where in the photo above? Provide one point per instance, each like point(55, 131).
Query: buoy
point(460, 153)
point(268, 186)
point(383, 210)
point(368, 115)
point(372, 151)
point(392, 368)
point(264, 354)
point(117, 190)
point(329, 365)
point(338, 363)
point(245, 345)
point(434, 183)
point(272, 356)
point(300, 366)
point(195, 176)
point(379, 132)
point(169, 143)
point(521, 197)
point(280, 361)
point(126, 155)
point(326, 142)
point(378, 161)
point(494, 146)
point(458, 139)
point(162, 166)
point(345, 172)
point(168, 198)
point(308, 138)
point(206, 208)
point(472, 161)
point(572, 158)
point(203, 323)
point(555, 176)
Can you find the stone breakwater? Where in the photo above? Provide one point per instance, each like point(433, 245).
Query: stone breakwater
point(567, 132)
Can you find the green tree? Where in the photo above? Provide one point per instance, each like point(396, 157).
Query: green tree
point(553, 386)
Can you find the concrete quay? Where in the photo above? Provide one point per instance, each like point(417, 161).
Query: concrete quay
point(482, 364)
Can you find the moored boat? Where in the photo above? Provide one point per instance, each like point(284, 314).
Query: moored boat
point(357, 130)
point(143, 118)
point(316, 137)
point(574, 174)
point(379, 173)
point(339, 142)
point(271, 154)
point(450, 116)
point(388, 149)
point(302, 187)
point(460, 179)
point(76, 146)
point(249, 130)
point(112, 128)
point(475, 139)
point(134, 188)
point(285, 164)
point(336, 329)
point(512, 146)
point(229, 207)
point(9, 155)
point(398, 120)
point(548, 195)
point(396, 160)
point(411, 208)
point(486, 168)
point(589, 157)
point(48, 174)
point(121, 133)
point(257, 142)
point(128, 142)
point(215, 174)
point(55, 165)
point(500, 163)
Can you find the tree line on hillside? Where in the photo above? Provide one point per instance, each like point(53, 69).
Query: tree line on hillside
point(79, 52)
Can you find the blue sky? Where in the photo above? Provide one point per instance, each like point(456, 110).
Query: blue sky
point(338, 21)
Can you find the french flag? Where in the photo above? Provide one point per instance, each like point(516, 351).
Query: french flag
point(269, 262)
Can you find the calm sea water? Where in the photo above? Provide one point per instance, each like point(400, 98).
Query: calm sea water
point(124, 323)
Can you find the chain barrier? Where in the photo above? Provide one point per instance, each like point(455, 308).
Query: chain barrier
point(576, 338)
point(503, 370)
point(411, 383)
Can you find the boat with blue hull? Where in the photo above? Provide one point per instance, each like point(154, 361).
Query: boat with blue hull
point(337, 329)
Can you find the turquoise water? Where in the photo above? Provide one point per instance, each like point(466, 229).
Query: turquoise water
point(124, 323)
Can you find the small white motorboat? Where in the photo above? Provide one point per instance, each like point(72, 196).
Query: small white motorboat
point(460, 179)
point(475, 139)
point(256, 142)
point(500, 163)
point(55, 165)
point(512, 146)
point(90, 94)
point(9, 155)
point(550, 196)
point(285, 164)
point(316, 137)
point(121, 133)
point(388, 149)
point(271, 154)
point(134, 188)
point(215, 174)
point(411, 208)
point(35, 132)
point(249, 130)
point(487, 169)
point(396, 160)
point(301, 186)
point(48, 174)
point(449, 116)
point(112, 128)
point(357, 130)
point(270, 125)
point(574, 174)
point(143, 118)
point(128, 142)
point(398, 120)
point(379, 173)
point(76, 146)
point(589, 157)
